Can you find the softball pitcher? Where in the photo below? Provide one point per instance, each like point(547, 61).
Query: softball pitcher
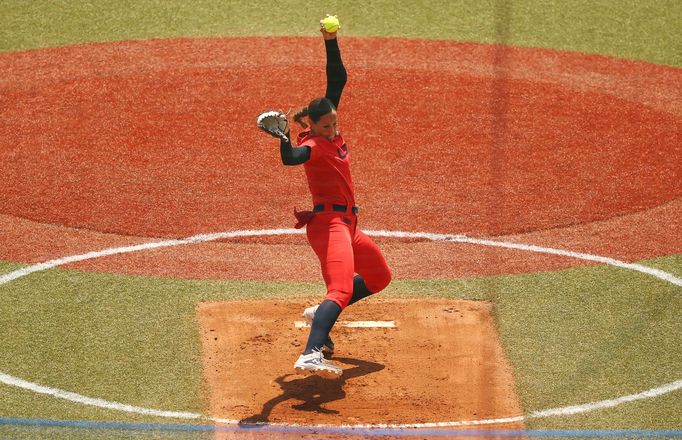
point(352, 264)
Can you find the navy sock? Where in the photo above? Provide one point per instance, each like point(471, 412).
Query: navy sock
point(360, 290)
point(325, 318)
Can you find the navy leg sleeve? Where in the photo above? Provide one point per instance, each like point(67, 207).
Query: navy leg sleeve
point(325, 318)
point(360, 290)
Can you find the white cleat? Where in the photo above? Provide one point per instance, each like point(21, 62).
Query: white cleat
point(309, 315)
point(314, 363)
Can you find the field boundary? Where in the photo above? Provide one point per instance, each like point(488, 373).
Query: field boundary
point(483, 433)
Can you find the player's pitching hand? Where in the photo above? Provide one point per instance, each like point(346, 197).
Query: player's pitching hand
point(329, 26)
point(327, 35)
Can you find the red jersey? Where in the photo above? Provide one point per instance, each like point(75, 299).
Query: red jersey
point(328, 169)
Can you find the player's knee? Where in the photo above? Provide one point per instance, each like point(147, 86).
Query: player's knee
point(380, 281)
point(342, 298)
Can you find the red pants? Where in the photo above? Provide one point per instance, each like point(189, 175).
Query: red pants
point(343, 251)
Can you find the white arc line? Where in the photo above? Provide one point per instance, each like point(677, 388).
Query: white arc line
point(562, 411)
point(665, 276)
point(100, 403)
point(201, 238)
point(577, 409)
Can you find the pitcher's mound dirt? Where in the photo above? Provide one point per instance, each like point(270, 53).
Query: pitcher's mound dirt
point(442, 362)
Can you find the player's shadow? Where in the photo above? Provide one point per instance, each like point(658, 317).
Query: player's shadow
point(313, 391)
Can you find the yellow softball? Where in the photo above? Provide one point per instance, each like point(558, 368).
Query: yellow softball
point(331, 23)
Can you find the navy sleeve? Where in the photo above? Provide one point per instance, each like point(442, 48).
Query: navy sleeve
point(336, 80)
point(291, 155)
point(336, 72)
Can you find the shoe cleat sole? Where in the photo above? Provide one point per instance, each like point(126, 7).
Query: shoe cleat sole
point(325, 373)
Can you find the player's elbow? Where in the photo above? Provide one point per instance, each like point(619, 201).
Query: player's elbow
point(288, 161)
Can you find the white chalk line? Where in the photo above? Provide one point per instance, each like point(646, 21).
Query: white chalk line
point(201, 238)
point(90, 401)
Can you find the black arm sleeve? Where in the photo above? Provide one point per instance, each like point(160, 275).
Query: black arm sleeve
point(336, 80)
point(291, 155)
point(336, 72)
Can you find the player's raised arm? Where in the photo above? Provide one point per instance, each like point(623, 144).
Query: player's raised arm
point(336, 72)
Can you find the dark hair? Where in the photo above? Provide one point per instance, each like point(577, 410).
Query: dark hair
point(317, 108)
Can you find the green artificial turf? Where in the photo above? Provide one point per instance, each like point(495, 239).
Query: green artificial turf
point(127, 339)
point(573, 336)
point(646, 30)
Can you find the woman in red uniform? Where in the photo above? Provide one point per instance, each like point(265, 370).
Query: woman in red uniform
point(352, 265)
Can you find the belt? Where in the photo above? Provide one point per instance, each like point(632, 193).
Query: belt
point(338, 208)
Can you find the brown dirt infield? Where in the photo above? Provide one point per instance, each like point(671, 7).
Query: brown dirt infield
point(442, 362)
point(111, 144)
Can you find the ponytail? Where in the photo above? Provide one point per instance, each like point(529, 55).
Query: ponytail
point(299, 115)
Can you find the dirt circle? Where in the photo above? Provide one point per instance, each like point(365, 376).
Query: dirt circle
point(158, 138)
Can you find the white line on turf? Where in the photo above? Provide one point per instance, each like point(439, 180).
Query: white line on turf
point(561, 411)
point(99, 403)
